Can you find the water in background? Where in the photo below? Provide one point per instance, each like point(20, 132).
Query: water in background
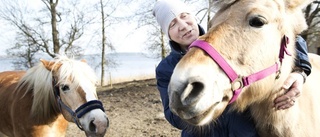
point(130, 66)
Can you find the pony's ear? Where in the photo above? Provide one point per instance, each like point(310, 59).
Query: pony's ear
point(297, 4)
point(83, 60)
point(50, 65)
point(297, 18)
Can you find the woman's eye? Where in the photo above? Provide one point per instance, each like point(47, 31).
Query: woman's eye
point(172, 25)
point(64, 87)
point(184, 16)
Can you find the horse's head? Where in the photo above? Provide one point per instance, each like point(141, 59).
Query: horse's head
point(242, 51)
point(74, 87)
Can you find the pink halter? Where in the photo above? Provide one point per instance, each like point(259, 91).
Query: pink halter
point(233, 76)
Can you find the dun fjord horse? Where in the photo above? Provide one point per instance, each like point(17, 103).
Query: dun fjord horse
point(37, 103)
point(243, 61)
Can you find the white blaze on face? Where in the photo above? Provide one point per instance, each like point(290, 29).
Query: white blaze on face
point(89, 89)
point(95, 121)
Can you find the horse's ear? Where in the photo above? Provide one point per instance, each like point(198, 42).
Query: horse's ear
point(300, 4)
point(298, 20)
point(84, 61)
point(50, 65)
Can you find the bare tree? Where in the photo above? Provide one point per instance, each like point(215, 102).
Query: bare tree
point(33, 24)
point(51, 6)
point(26, 39)
point(312, 34)
point(25, 52)
point(103, 42)
point(204, 11)
point(157, 42)
point(108, 17)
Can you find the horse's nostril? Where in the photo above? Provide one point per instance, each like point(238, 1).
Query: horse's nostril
point(197, 87)
point(191, 93)
point(92, 126)
point(107, 121)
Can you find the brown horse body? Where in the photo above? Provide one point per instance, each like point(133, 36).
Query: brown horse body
point(15, 108)
point(248, 34)
point(29, 107)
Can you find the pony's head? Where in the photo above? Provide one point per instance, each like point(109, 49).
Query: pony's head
point(246, 48)
point(67, 86)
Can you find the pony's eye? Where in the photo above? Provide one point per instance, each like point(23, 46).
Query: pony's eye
point(64, 87)
point(257, 21)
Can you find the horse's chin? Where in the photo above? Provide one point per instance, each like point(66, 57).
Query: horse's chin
point(89, 134)
point(95, 125)
point(207, 116)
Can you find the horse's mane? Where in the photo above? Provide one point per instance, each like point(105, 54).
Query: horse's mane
point(39, 81)
point(223, 3)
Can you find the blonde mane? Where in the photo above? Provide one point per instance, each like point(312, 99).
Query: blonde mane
point(39, 81)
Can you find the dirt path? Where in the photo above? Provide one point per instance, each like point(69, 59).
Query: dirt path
point(134, 109)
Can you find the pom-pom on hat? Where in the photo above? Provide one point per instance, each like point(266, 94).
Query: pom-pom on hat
point(166, 10)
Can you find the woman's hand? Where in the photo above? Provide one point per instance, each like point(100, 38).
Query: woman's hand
point(293, 86)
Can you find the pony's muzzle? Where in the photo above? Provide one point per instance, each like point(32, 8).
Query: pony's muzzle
point(184, 98)
point(98, 127)
point(191, 93)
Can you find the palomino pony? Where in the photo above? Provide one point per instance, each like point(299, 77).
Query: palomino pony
point(41, 101)
point(243, 61)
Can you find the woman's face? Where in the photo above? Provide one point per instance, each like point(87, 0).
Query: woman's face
point(184, 30)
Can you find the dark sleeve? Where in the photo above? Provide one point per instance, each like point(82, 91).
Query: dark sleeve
point(302, 60)
point(163, 77)
point(240, 124)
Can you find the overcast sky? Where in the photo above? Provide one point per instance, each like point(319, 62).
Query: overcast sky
point(122, 41)
point(120, 37)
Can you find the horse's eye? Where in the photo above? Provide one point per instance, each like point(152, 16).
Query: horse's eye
point(257, 21)
point(64, 87)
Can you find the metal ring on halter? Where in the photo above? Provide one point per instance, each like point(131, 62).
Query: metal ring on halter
point(235, 86)
point(278, 73)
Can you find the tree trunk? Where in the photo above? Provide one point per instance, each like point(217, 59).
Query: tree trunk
point(103, 43)
point(163, 48)
point(210, 2)
point(55, 34)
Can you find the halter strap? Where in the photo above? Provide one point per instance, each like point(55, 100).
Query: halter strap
point(86, 107)
point(232, 75)
point(80, 111)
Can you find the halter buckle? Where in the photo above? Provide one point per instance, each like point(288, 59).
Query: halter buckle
point(237, 83)
point(278, 74)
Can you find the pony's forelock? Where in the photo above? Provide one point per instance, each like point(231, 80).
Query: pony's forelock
point(39, 81)
point(75, 70)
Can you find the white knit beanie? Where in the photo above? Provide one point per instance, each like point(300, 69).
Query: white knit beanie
point(166, 10)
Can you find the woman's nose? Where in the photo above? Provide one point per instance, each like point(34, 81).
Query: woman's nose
point(182, 25)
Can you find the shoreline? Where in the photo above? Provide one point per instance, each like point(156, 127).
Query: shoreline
point(128, 84)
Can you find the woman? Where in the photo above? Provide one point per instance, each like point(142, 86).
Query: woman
point(180, 26)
